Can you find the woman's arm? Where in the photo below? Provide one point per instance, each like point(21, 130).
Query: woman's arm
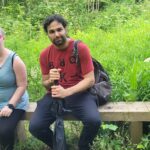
point(21, 80)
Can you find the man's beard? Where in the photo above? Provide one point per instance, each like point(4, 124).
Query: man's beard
point(59, 42)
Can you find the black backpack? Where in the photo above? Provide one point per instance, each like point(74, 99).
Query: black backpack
point(102, 86)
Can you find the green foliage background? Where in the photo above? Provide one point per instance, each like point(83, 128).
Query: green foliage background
point(118, 35)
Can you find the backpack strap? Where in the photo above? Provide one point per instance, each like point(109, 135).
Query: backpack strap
point(75, 51)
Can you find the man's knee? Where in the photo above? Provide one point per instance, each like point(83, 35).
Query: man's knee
point(95, 122)
point(34, 128)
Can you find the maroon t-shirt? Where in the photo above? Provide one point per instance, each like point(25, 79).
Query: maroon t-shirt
point(71, 73)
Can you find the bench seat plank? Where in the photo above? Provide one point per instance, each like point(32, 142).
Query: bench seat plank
point(148, 105)
point(116, 109)
point(113, 111)
point(138, 111)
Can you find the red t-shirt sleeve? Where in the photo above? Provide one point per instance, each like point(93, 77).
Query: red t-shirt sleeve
point(85, 59)
point(43, 63)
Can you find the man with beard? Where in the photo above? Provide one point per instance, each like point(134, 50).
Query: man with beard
point(58, 64)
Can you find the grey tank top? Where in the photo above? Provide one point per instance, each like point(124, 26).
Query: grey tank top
point(8, 84)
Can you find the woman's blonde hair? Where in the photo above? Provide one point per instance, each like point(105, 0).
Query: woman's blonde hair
point(2, 31)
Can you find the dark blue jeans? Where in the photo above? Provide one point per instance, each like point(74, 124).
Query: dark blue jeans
point(83, 106)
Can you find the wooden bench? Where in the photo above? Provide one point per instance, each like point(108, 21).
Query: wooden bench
point(133, 112)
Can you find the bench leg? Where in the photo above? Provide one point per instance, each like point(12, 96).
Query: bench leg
point(21, 132)
point(136, 131)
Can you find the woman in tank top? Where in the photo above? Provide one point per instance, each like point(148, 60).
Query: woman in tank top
point(13, 95)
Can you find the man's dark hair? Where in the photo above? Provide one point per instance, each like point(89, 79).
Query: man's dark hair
point(52, 18)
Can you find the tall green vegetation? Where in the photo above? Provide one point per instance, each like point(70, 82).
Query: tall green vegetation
point(118, 36)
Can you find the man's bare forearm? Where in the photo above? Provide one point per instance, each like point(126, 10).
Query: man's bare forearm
point(81, 86)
